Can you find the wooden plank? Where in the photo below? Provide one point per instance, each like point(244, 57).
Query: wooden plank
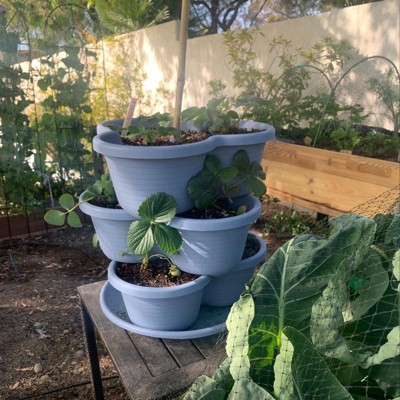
point(125, 356)
point(334, 191)
point(183, 351)
point(380, 172)
point(154, 353)
point(325, 181)
point(174, 381)
point(211, 345)
point(323, 209)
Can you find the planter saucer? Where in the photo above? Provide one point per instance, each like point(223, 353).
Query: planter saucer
point(211, 320)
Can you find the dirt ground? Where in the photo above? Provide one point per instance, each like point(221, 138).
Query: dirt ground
point(42, 353)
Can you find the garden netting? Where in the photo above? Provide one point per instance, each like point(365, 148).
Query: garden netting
point(320, 319)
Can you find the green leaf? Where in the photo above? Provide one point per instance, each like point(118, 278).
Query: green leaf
point(73, 220)
point(55, 217)
point(67, 201)
point(389, 350)
point(283, 383)
point(227, 174)
point(203, 190)
point(256, 170)
point(255, 186)
point(311, 375)
point(89, 194)
point(393, 232)
point(237, 344)
point(212, 163)
point(373, 288)
point(387, 375)
point(140, 237)
point(247, 389)
point(327, 317)
point(159, 207)
point(95, 240)
point(169, 239)
point(221, 380)
point(287, 286)
point(396, 268)
point(241, 161)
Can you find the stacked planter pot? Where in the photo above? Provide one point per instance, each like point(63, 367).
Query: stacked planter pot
point(212, 249)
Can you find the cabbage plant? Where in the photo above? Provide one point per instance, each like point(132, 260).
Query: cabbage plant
point(320, 320)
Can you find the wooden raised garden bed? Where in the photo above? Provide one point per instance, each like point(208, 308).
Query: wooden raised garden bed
point(324, 181)
point(18, 225)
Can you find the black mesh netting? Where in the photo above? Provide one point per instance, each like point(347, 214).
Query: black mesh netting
point(320, 319)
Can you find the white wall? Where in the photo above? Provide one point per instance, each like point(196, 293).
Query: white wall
point(372, 29)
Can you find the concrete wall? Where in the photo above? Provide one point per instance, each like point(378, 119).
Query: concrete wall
point(372, 29)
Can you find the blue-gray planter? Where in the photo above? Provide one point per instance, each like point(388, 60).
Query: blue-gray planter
point(111, 226)
point(215, 246)
point(225, 290)
point(172, 308)
point(140, 171)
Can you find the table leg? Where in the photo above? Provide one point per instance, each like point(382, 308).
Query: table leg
point(91, 350)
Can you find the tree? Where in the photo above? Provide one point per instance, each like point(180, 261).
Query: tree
point(213, 16)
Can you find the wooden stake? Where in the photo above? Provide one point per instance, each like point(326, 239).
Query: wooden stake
point(182, 61)
point(129, 115)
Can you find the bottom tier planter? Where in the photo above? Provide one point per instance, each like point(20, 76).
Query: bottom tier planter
point(225, 290)
point(162, 309)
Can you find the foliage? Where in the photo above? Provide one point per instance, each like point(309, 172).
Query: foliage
point(289, 225)
point(155, 213)
point(345, 137)
point(389, 93)
point(319, 320)
point(18, 181)
point(324, 116)
point(149, 128)
point(277, 98)
point(214, 118)
point(64, 84)
point(102, 189)
point(378, 144)
point(127, 16)
point(214, 182)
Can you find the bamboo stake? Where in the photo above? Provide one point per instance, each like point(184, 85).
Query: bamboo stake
point(129, 115)
point(182, 61)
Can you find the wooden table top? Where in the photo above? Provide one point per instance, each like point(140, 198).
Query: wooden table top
point(152, 368)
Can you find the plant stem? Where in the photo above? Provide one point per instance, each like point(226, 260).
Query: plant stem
point(182, 61)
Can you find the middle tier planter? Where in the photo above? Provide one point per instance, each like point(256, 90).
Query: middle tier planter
point(140, 171)
point(215, 247)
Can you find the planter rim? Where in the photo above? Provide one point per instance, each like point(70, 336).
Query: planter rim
point(250, 262)
point(204, 225)
point(154, 292)
point(109, 143)
point(104, 213)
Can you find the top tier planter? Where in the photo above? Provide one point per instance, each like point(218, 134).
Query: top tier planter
point(140, 171)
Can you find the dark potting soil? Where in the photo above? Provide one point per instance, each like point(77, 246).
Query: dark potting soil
point(185, 138)
point(101, 201)
point(252, 247)
point(222, 209)
point(155, 275)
